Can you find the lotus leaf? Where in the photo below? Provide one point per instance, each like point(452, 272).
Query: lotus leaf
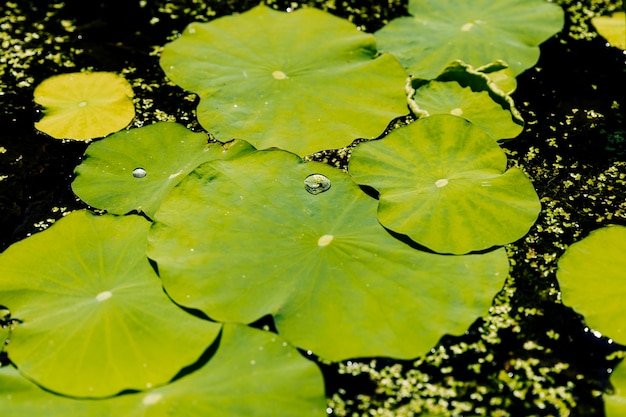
point(442, 182)
point(135, 169)
point(84, 105)
point(477, 32)
point(252, 373)
point(302, 81)
point(612, 28)
point(438, 97)
point(615, 404)
point(93, 317)
point(243, 238)
point(591, 274)
point(495, 78)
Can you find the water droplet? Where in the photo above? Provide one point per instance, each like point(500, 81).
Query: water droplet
point(316, 183)
point(325, 240)
point(104, 295)
point(139, 173)
point(152, 398)
point(441, 183)
point(457, 111)
point(252, 362)
point(279, 75)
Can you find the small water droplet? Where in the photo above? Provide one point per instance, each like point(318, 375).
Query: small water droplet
point(252, 362)
point(441, 183)
point(139, 173)
point(316, 183)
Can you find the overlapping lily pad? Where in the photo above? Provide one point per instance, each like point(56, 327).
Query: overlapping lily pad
point(615, 404)
point(84, 105)
point(302, 81)
point(612, 28)
point(443, 182)
point(477, 32)
point(247, 237)
point(438, 97)
point(93, 318)
point(135, 169)
point(592, 274)
point(252, 373)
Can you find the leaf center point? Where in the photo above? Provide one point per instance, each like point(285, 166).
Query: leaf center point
point(104, 295)
point(325, 240)
point(442, 182)
point(279, 75)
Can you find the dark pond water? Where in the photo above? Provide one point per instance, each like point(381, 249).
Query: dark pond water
point(573, 102)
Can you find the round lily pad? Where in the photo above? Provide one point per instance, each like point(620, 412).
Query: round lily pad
point(252, 373)
point(302, 81)
point(244, 238)
point(93, 317)
point(84, 105)
point(436, 97)
point(443, 182)
point(612, 28)
point(477, 32)
point(615, 404)
point(592, 274)
point(136, 168)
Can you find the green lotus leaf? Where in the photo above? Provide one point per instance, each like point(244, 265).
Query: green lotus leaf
point(135, 169)
point(438, 97)
point(612, 28)
point(476, 32)
point(591, 275)
point(270, 234)
point(93, 317)
point(252, 373)
point(84, 105)
point(302, 81)
point(615, 404)
point(496, 79)
point(442, 182)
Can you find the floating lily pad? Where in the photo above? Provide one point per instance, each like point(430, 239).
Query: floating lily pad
point(135, 169)
point(84, 105)
point(438, 97)
point(93, 318)
point(302, 81)
point(252, 373)
point(243, 238)
point(612, 28)
point(592, 277)
point(443, 182)
point(615, 404)
point(477, 32)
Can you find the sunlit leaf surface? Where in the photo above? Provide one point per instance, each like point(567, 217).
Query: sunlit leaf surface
point(251, 236)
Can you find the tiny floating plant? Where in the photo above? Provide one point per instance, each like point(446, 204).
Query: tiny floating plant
point(84, 105)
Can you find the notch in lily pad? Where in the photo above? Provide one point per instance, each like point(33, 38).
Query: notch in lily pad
point(303, 81)
point(243, 238)
point(84, 105)
point(443, 182)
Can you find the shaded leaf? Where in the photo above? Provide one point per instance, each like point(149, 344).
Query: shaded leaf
point(443, 182)
point(84, 105)
point(302, 81)
point(592, 274)
point(93, 316)
point(476, 32)
point(135, 169)
point(243, 238)
point(253, 373)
